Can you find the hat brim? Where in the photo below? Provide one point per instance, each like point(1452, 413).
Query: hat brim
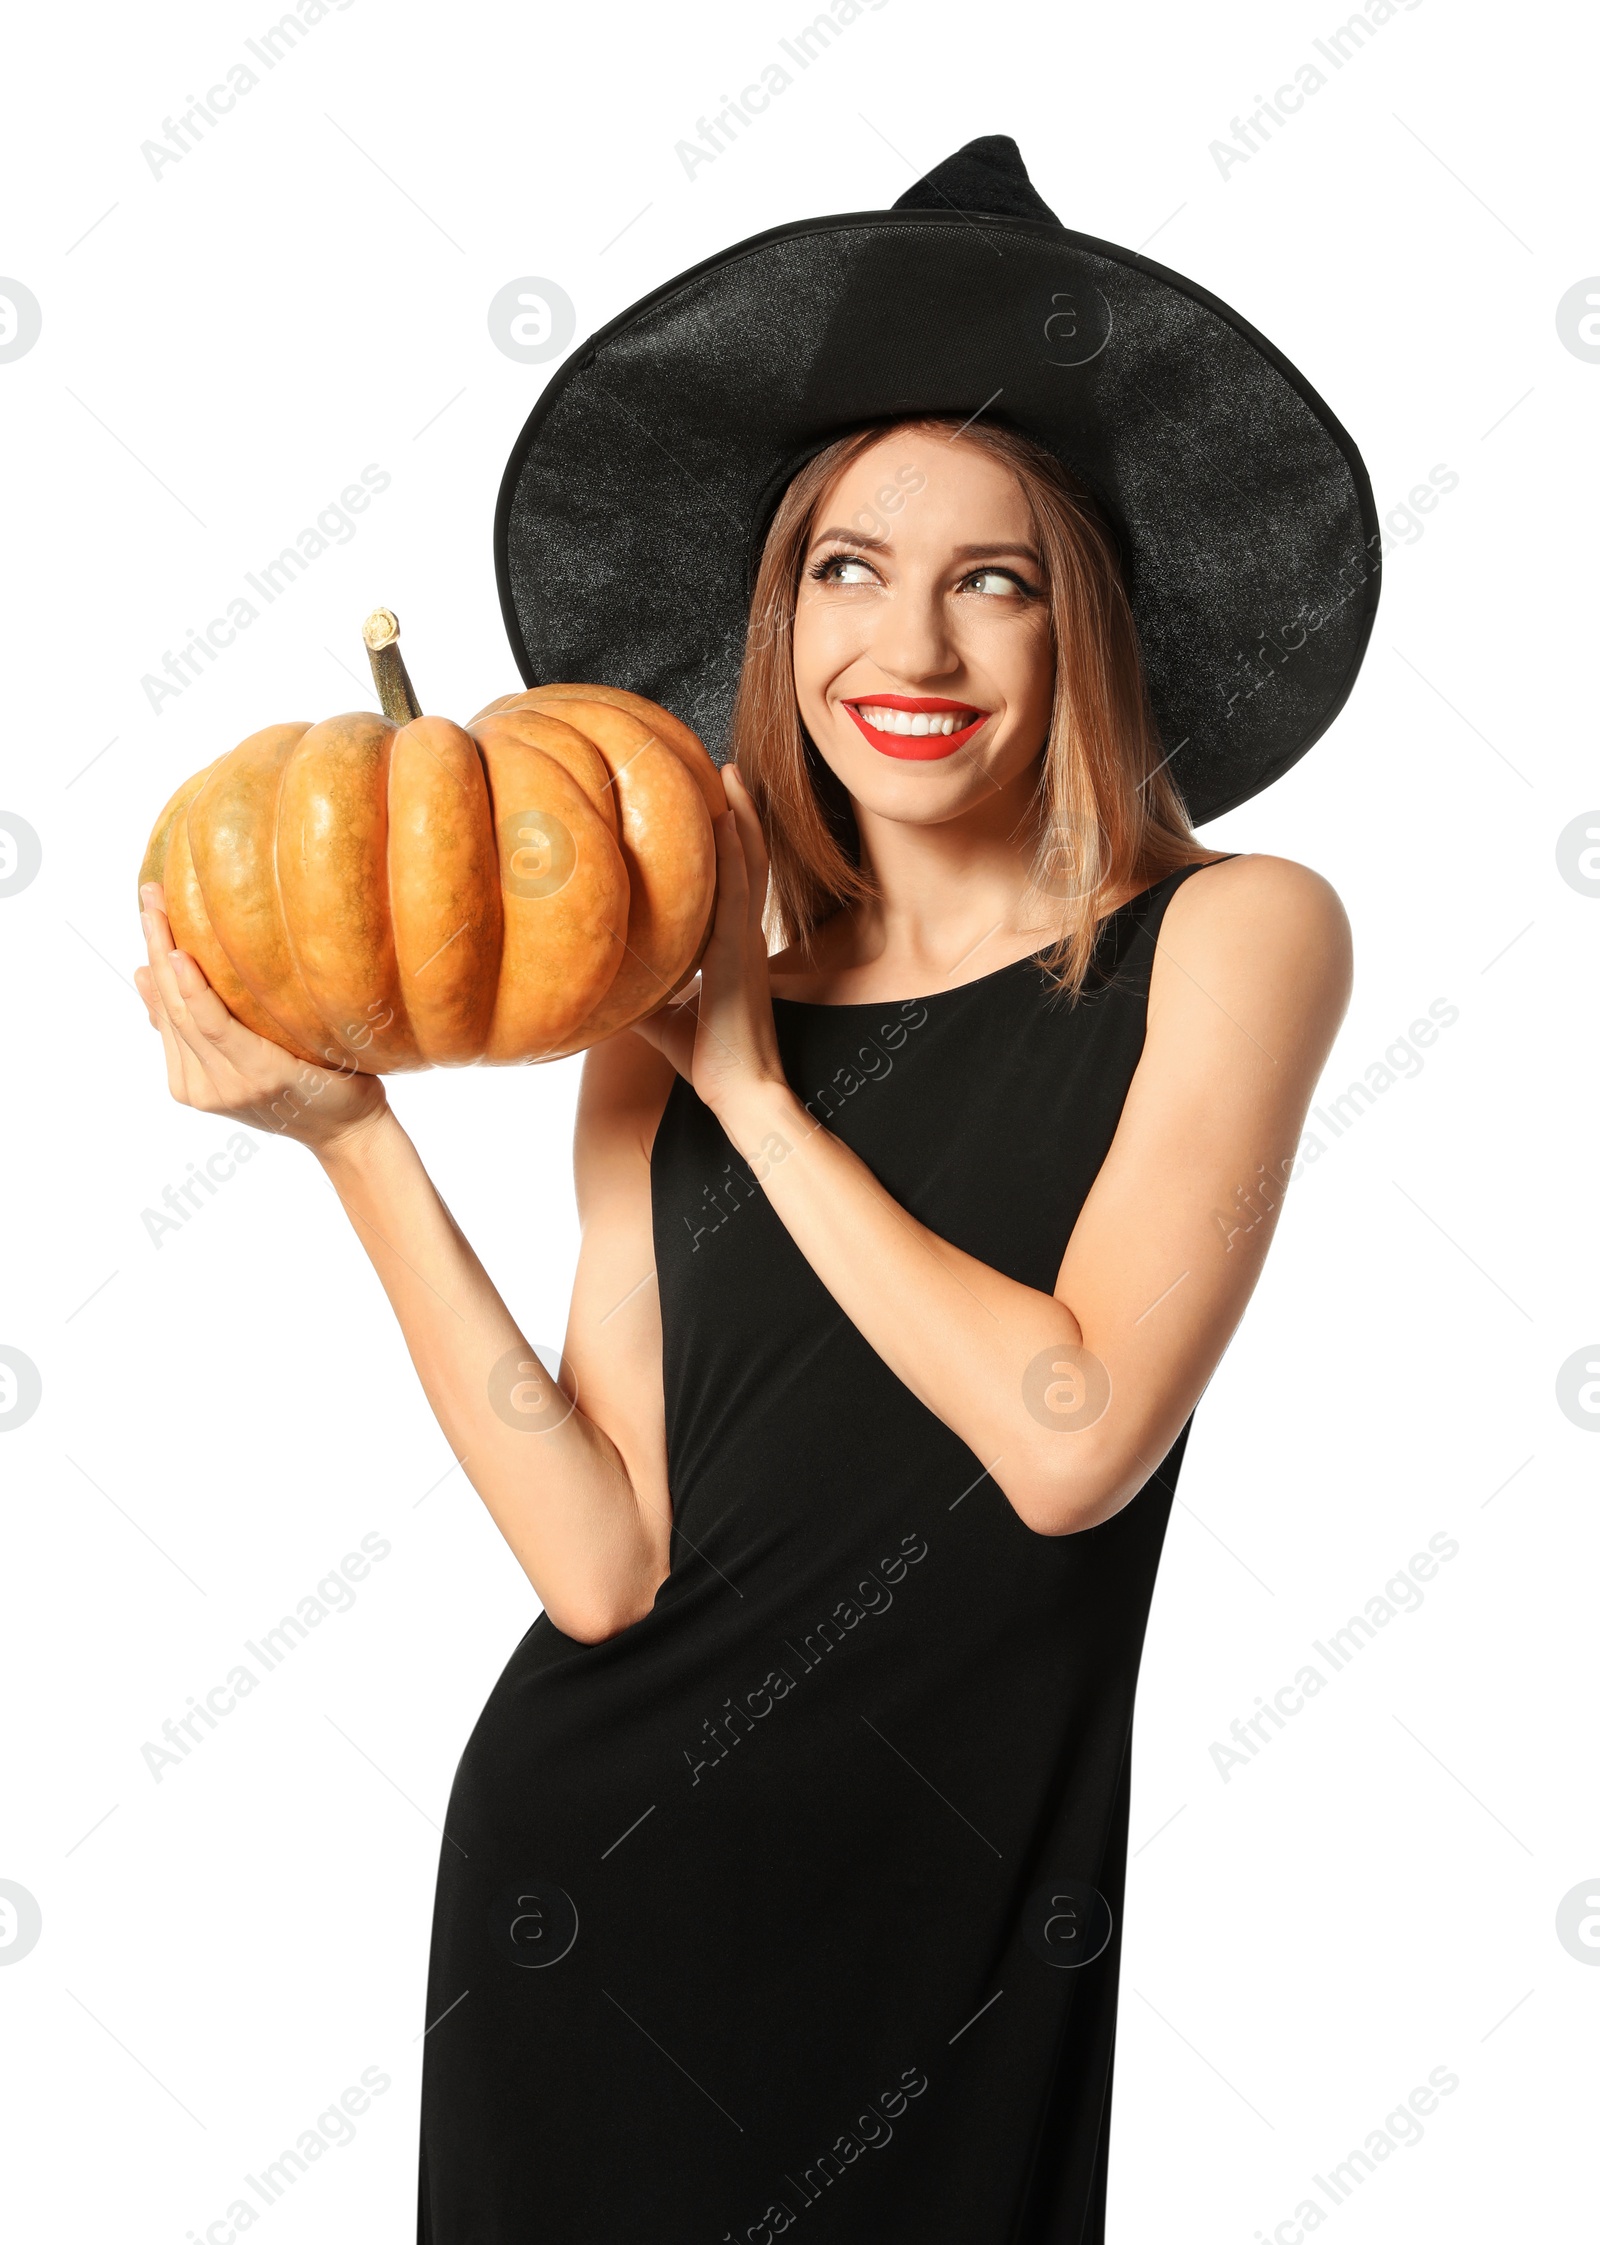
point(634, 502)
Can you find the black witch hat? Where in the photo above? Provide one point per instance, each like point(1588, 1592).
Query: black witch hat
point(637, 497)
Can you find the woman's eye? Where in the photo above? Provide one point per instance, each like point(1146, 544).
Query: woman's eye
point(992, 581)
point(847, 569)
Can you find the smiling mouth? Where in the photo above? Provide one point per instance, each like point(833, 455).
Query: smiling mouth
point(920, 726)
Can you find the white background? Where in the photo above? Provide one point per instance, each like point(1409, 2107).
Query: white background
point(224, 347)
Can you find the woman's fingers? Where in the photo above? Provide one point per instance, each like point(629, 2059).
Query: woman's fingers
point(671, 1029)
point(753, 845)
point(153, 917)
point(215, 1049)
point(727, 926)
point(742, 804)
point(158, 943)
point(145, 983)
point(188, 1078)
point(171, 1044)
point(219, 1065)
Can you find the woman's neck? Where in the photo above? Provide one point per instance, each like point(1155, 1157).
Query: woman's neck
point(952, 902)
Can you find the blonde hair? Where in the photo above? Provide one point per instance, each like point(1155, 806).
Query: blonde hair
point(1105, 809)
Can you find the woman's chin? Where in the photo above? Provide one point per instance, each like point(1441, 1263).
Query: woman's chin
point(916, 794)
point(916, 790)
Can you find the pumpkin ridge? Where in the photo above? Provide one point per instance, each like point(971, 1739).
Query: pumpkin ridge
point(294, 1034)
point(346, 1057)
point(346, 1060)
point(441, 862)
point(334, 815)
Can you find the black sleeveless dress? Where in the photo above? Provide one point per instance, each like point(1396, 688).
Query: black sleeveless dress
point(797, 1906)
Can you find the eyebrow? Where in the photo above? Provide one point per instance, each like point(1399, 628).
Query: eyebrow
point(976, 553)
point(962, 553)
point(850, 538)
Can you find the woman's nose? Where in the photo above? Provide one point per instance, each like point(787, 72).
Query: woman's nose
point(911, 637)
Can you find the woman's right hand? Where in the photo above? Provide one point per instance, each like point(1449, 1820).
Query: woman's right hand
point(216, 1064)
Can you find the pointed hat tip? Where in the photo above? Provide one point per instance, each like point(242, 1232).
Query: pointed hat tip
point(987, 175)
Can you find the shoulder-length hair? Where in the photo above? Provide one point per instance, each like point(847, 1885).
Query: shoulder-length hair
point(1104, 812)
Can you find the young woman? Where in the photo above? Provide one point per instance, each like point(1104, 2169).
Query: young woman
point(784, 1868)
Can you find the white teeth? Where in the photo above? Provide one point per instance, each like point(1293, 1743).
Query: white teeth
point(916, 722)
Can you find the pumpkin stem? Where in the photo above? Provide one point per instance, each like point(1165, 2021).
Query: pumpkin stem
point(396, 695)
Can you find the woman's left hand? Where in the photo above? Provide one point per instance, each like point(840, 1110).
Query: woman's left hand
point(720, 1033)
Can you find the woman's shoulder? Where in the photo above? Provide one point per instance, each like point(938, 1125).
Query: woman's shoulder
point(1256, 890)
point(1259, 932)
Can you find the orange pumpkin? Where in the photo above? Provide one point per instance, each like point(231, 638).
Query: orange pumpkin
point(393, 892)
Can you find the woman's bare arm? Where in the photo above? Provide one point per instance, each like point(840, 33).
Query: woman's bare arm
point(580, 1495)
point(1249, 985)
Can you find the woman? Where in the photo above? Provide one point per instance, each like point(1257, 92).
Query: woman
point(783, 1870)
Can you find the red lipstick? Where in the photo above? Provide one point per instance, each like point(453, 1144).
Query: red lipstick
point(916, 747)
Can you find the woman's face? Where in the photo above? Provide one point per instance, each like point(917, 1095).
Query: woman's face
point(922, 652)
